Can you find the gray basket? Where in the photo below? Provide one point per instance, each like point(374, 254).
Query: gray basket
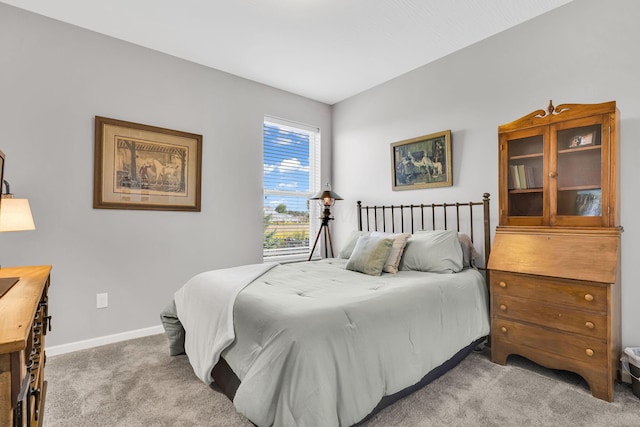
point(635, 374)
point(631, 364)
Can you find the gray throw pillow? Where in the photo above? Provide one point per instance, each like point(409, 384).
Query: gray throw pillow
point(370, 254)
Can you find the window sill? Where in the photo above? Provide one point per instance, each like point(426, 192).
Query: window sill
point(287, 259)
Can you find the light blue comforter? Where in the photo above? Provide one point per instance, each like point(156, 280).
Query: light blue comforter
point(318, 345)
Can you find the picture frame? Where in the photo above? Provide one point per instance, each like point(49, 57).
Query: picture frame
point(588, 203)
point(583, 139)
point(422, 162)
point(138, 166)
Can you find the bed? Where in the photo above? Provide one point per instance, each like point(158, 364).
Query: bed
point(332, 342)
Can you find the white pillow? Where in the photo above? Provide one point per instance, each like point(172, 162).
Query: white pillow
point(347, 249)
point(436, 251)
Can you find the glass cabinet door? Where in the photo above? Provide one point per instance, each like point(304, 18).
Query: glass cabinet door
point(524, 155)
point(559, 167)
point(576, 173)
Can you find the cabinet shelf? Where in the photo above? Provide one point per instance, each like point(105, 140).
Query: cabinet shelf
point(526, 190)
point(576, 149)
point(580, 187)
point(525, 156)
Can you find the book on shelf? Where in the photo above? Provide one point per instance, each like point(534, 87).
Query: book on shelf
point(515, 180)
point(530, 179)
point(521, 177)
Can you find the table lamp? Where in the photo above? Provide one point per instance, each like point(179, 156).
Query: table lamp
point(15, 215)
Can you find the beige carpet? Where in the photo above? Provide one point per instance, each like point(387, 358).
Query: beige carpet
point(137, 383)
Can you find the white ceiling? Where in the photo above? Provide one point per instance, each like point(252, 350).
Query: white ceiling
point(327, 50)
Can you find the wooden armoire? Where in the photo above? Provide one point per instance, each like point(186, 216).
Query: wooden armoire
point(555, 261)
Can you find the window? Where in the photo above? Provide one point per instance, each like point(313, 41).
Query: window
point(291, 177)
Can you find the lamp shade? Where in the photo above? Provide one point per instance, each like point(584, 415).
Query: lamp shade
point(328, 197)
point(15, 215)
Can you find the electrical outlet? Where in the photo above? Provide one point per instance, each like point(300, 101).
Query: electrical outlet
point(102, 300)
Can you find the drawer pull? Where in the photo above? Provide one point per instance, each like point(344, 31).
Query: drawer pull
point(36, 393)
point(588, 297)
point(503, 329)
point(502, 284)
point(503, 307)
point(589, 325)
point(589, 352)
point(47, 324)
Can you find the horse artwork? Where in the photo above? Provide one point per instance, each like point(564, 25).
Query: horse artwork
point(153, 167)
point(144, 167)
point(422, 162)
point(168, 173)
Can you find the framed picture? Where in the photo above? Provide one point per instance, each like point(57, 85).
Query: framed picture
point(145, 167)
point(583, 139)
point(589, 203)
point(422, 162)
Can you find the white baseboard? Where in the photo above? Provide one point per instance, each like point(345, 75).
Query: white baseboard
point(108, 339)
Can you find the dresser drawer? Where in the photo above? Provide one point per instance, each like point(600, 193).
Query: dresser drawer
point(585, 349)
point(588, 323)
point(590, 296)
point(22, 343)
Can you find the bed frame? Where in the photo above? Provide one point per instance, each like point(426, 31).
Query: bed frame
point(401, 219)
point(436, 216)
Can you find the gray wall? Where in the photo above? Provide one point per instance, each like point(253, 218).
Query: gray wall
point(583, 52)
point(54, 78)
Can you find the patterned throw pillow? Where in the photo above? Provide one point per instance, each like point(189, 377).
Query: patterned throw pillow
point(397, 248)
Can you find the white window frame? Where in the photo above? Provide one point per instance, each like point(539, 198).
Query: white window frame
point(314, 187)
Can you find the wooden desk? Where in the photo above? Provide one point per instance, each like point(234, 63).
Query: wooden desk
point(555, 299)
point(24, 322)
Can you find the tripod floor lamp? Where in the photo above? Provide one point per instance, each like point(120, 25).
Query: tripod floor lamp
point(328, 198)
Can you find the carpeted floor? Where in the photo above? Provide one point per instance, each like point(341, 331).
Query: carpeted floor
point(137, 383)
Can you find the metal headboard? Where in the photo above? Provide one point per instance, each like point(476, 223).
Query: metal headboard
point(435, 216)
